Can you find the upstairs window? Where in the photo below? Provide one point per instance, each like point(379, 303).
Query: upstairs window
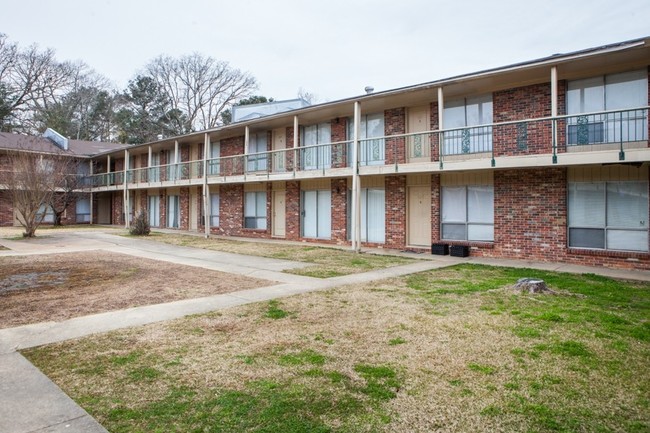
point(257, 148)
point(468, 114)
point(317, 152)
point(621, 92)
point(371, 133)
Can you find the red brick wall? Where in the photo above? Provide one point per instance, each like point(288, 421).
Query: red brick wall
point(230, 147)
point(395, 211)
point(231, 210)
point(6, 209)
point(522, 103)
point(339, 151)
point(184, 203)
point(339, 210)
point(395, 123)
point(435, 140)
point(163, 208)
point(292, 215)
point(118, 217)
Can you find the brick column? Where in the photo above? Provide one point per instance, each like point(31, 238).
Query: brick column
point(339, 211)
point(395, 211)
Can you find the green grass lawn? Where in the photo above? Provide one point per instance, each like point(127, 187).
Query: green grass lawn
point(327, 262)
point(452, 350)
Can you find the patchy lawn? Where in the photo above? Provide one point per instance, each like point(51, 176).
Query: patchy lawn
point(328, 262)
point(56, 287)
point(450, 350)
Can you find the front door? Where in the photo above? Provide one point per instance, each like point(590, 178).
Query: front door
point(279, 212)
point(419, 216)
point(419, 146)
point(279, 143)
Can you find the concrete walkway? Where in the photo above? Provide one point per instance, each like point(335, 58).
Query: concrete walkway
point(30, 402)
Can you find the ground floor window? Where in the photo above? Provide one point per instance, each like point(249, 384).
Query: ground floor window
point(46, 213)
point(82, 210)
point(608, 215)
point(468, 213)
point(255, 210)
point(317, 214)
point(173, 211)
point(373, 215)
point(154, 210)
point(214, 210)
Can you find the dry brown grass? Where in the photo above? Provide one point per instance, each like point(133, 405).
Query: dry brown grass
point(461, 365)
point(327, 262)
point(61, 286)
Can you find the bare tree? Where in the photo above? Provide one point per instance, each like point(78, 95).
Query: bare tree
point(200, 87)
point(66, 189)
point(34, 83)
point(36, 182)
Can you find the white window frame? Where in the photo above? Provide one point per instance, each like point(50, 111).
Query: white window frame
point(468, 135)
point(591, 95)
point(369, 233)
point(258, 216)
point(372, 145)
point(214, 161)
point(153, 208)
point(469, 221)
point(316, 153)
point(605, 227)
point(214, 210)
point(173, 211)
point(256, 160)
point(82, 209)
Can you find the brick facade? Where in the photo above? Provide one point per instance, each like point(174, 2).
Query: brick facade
point(395, 124)
point(340, 211)
point(395, 211)
point(292, 211)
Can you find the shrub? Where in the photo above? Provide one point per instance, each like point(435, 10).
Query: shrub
point(140, 225)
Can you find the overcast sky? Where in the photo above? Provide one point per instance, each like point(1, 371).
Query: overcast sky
point(332, 48)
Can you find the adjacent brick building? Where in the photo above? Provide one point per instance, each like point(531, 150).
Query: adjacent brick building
point(543, 160)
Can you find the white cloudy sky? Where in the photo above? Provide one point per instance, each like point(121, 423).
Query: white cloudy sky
point(331, 48)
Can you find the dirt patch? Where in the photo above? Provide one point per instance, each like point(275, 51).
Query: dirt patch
point(61, 286)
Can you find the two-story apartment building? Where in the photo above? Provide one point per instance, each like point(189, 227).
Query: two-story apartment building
point(545, 160)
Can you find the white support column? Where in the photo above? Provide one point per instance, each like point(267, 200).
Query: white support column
point(149, 156)
point(356, 182)
point(176, 152)
point(108, 163)
point(296, 130)
point(441, 125)
point(247, 133)
point(91, 197)
point(126, 203)
point(554, 110)
point(206, 187)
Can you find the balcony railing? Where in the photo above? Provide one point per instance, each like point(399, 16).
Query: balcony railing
point(608, 130)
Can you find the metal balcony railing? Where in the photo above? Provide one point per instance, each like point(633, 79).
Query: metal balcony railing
point(607, 130)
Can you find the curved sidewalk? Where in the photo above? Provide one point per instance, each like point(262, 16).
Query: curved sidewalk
point(30, 402)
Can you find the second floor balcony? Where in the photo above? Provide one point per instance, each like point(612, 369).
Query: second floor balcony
point(614, 132)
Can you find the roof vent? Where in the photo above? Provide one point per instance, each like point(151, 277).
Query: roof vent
point(56, 138)
point(369, 89)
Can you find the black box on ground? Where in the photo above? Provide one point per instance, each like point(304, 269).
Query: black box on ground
point(440, 249)
point(459, 250)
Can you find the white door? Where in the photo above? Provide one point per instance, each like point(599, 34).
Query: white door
point(419, 215)
point(279, 213)
point(419, 146)
point(279, 143)
point(317, 214)
point(154, 210)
